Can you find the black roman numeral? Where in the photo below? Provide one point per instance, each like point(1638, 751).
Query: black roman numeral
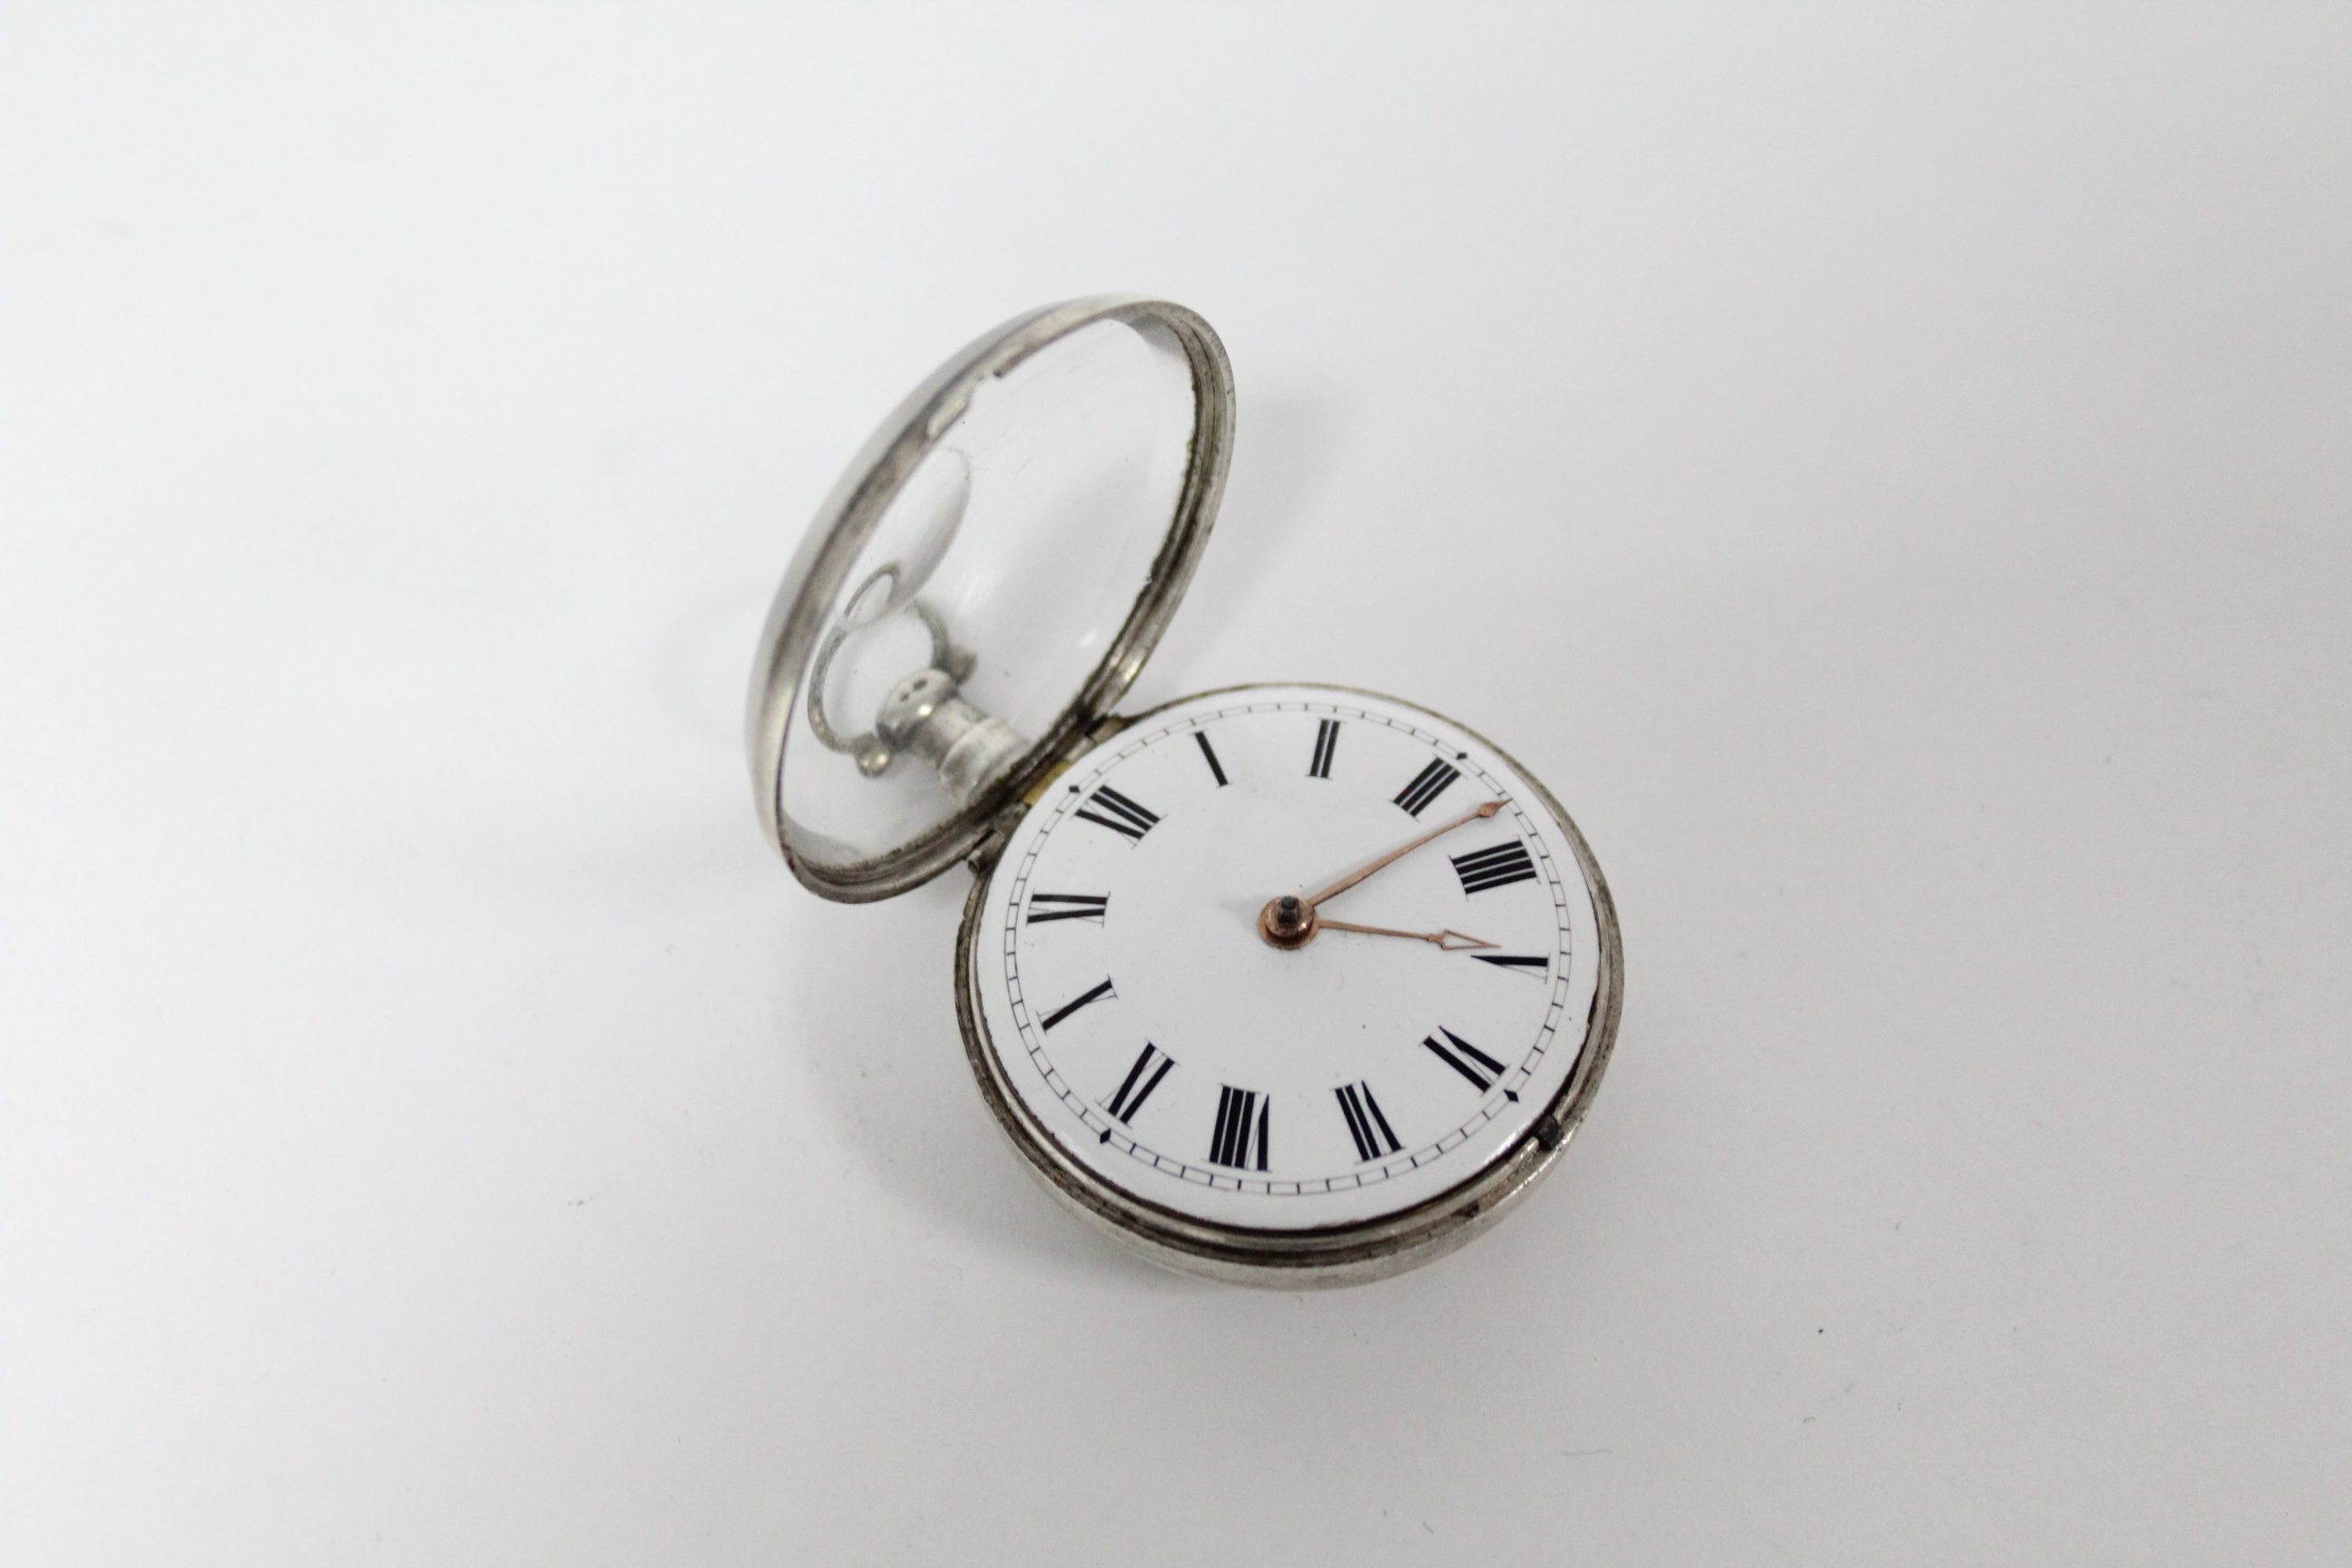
point(1366, 1125)
point(1124, 814)
point(1496, 868)
point(1426, 786)
point(1327, 741)
point(1141, 1079)
point(1468, 1059)
point(1535, 966)
point(1239, 1140)
point(1209, 754)
point(1067, 1009)
point(1073, 907)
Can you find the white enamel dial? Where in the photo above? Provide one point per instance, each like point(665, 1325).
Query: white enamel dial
point(1132, 1002)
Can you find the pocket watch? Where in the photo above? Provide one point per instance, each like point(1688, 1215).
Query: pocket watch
point(1286, 985)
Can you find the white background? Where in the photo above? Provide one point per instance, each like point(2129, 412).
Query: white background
point(1884, 469)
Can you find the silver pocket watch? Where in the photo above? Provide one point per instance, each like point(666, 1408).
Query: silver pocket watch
point(1285, 985)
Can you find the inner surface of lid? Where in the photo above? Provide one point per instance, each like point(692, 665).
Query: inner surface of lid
point(985, 581)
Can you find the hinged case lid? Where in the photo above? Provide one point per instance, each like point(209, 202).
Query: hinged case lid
point(982, 583)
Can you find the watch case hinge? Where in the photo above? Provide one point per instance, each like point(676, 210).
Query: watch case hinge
point(984, 855)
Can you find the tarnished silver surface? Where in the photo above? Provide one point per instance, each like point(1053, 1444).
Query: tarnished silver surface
point(814, 583)
point(1343, 1255)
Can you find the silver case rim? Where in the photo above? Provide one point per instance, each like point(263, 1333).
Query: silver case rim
point(1340, 1255)
point(853, 509)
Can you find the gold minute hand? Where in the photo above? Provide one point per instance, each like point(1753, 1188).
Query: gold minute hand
point(1451, 941)
point(1399, 853)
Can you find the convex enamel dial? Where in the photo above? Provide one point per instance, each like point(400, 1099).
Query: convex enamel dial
point(1151, 1035)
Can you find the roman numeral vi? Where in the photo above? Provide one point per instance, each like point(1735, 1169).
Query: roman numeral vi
point(1141, 1079)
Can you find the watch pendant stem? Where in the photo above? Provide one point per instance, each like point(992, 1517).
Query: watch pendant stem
point(925, 714)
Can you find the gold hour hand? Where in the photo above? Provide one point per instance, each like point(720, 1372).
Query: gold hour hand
point(1449, 941)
